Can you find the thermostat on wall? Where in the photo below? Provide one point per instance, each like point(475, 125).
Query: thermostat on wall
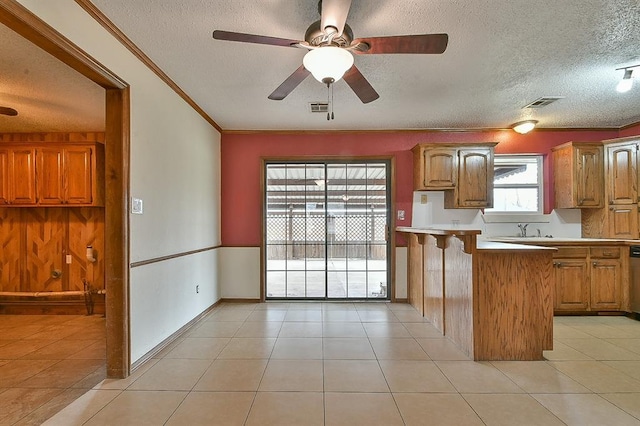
point(136, 205)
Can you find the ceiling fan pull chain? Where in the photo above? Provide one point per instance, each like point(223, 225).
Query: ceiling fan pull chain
point(328, 101)
point(332, 117)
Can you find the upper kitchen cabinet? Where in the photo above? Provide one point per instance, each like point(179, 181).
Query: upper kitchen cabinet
point(619, 217)
point(17, 176)
point(434, 167)
point(464, 172)
point(622, 172)
point(578, 173)
point(51, 174)
point(65, 175)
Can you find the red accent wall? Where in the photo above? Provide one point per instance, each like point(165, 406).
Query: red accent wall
point(630, 131)
point(241, 155)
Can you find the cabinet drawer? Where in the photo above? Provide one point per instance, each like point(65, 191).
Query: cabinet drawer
point(564, 252)
point(605, 252)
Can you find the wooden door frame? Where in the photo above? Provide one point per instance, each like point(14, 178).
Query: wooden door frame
point(117, 151)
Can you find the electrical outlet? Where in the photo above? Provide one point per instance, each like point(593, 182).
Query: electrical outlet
point(69, 259)
point(197, 289)
point(423, 198)
point(400, 214)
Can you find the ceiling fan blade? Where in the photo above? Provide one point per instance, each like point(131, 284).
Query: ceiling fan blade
point(420, 43)
point(289, 84)
point(334, 14)
point(251, 38)
point(8, 111)
point(360, 85)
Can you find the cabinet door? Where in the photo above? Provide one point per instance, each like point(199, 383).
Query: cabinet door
point(440, 168)
point(572, 285)
point(605, 284)
point(77, 175)
point(623, 221)
point(50, 176)
point(475, 178)
point(5, 198)
point(589, 185)
point(22, 181)
point(622, 174)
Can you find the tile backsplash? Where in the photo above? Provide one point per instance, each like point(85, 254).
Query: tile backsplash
point(429, 211)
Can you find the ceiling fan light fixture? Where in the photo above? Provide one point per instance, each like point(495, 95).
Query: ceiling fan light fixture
point(525, 126)
point(627, 81)
point(328, 63)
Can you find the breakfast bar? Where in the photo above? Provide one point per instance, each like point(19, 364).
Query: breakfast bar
point(493, 300)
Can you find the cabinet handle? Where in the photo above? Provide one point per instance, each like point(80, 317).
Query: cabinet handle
point(611, 208)
point(595, 263)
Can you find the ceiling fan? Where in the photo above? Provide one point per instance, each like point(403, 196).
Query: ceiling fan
point(331, 43)
point(8, 111)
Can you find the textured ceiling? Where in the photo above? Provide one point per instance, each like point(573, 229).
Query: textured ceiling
point(48, 95)
point(502, 55)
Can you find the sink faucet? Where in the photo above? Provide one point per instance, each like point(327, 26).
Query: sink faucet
point(523, 229)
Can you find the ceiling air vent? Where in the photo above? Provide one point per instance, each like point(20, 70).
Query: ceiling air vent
point(319, 107)
point(542, 102)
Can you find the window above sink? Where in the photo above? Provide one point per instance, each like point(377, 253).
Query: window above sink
point(517, 185)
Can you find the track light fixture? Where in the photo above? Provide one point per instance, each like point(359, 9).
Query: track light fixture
point(627, 79)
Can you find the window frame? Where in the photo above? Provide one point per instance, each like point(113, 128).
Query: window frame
point(539, 158)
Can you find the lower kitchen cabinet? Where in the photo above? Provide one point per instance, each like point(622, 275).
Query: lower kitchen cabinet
point(605, 285)
point(572, 285)
point(590, 279)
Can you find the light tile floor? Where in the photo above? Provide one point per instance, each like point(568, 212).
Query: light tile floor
point(47, 362)
point(367, 364)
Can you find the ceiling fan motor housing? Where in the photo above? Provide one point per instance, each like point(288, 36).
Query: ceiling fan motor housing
point(316, 36)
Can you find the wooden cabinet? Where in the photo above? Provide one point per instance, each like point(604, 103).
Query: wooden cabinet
point(578, 173)
point(622, 221)
point(51, 174)
point(439, 168)
point(619, 216)
point(464, 172)
point(65, 175)
point(622, 174)
point(589, 279)
point(572, 279)
point(475, 179)
point(18, 176)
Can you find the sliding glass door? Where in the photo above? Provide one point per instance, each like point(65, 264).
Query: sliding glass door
point(325, 228)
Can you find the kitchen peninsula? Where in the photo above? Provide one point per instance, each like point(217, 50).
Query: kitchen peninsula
point(493, 300)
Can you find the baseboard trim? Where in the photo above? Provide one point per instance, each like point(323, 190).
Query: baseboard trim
point(166, 342)
point(398, 300)
point(240, 300)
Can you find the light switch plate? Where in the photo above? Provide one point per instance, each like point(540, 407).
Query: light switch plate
point(136, 205)
point(423, 198)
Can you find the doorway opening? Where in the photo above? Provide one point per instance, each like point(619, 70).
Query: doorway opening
point(326, 230)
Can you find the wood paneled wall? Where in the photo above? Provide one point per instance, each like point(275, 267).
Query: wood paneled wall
point(36, 241)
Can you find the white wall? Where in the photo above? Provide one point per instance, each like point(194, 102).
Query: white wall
point(166, 293)
point(239, 273)
point(427, 213)
point(175, 170)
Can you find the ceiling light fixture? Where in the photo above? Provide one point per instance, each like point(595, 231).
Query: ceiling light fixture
point(627, 80)
point(523, 127)
point(328, 64)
